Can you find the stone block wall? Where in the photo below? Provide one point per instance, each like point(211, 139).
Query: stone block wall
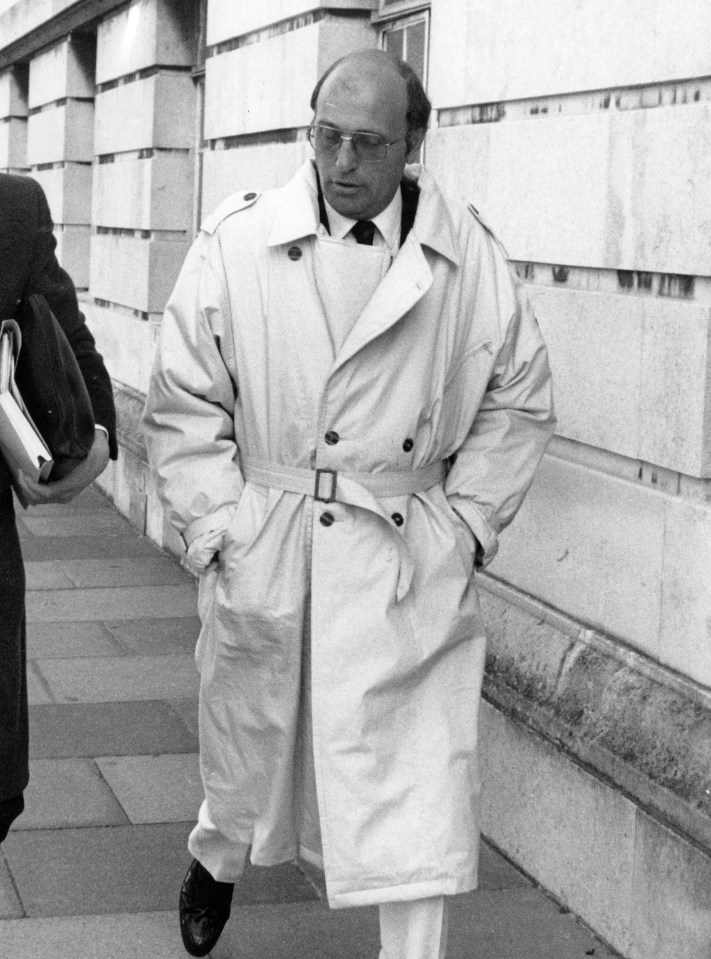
point(60, 134)
point(263, 61)
point(594, 169)
point(142, 213)
point(590, 160)
point(13, 119)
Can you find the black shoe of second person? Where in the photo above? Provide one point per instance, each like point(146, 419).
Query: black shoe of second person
point(10, 809)
point(204, 909)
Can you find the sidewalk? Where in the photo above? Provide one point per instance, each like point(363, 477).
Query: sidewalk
point(93, 868)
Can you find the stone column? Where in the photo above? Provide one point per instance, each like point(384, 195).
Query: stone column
point(13, 120)
point(142, 209)
point(59, 144)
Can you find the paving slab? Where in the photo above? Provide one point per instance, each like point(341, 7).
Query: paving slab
point(288, 882)
point(46, 575)
point(10, 906)
point(148, 727)
point(120, 679)
point(517, 924)
point(307, 930)
point(155, 570)
point(84, 547)
point(148, 935)
point(100, 522)
point(70, 640)
point(188, 710)
point(157, 636)
point(153, 789)
point(37, 689)
point(89, 500)
point(124, 602)
point(96, 871)
point(68, 792)
point(495, 872)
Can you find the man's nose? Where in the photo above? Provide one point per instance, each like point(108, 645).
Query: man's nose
point(346, 158)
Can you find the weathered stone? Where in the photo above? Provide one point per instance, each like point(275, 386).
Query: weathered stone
point(629, 724)
point(508, 50)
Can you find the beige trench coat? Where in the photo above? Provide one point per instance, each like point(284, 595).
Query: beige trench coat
point(446, 362)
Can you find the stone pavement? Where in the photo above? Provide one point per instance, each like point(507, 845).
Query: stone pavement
point(93, 867)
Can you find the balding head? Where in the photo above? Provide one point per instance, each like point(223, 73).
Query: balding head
point(418, 105)
point(364, 92)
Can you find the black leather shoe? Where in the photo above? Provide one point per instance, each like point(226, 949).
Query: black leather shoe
point(204, 909)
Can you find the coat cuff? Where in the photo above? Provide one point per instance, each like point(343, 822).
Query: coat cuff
point(483, 531)
point(219, 520)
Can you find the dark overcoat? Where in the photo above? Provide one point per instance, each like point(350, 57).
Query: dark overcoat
point(28, 265)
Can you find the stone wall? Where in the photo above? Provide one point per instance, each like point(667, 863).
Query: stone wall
point(581, 136)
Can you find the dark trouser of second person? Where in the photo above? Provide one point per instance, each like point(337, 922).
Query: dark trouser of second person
point(13, 677)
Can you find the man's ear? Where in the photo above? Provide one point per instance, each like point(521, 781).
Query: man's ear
point(414, 144)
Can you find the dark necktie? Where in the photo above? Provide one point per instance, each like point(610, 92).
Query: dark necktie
point(364, 231)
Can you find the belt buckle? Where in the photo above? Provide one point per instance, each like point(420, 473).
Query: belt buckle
point(331, 498)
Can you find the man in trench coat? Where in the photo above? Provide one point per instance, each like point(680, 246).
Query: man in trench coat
point(349, 400)
point(28, 265)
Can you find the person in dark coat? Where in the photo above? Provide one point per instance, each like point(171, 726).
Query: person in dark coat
point(28, 265)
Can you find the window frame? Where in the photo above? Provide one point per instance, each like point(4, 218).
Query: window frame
point(397, 9)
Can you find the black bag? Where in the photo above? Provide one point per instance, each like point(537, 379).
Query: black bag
point(52, 386)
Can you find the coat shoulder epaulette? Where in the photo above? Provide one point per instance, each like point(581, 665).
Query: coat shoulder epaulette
point(233, 204)
point(477, 216)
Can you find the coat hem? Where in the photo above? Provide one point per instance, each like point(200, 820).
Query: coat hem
point(406, 892)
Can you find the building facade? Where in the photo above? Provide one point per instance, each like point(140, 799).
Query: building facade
point(582, 132)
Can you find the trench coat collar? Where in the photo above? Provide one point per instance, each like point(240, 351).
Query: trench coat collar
point(297, 213)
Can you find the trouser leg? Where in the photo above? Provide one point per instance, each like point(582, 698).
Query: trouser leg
point(222, 857)
point(414, 930)
point(14, 769)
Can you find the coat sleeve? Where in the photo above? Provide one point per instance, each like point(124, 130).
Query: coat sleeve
point(55, 285)
point(494, 467)
point(189, 414)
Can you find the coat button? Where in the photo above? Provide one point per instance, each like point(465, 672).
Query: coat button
point(407, 445)
point(250, 196)
point(332, 437)
point(294, 252)
point(397, 519)
point(326, 519)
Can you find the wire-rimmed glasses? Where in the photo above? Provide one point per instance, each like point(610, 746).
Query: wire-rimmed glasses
point(370, 147)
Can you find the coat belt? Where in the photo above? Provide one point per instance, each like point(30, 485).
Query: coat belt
point(352, 489)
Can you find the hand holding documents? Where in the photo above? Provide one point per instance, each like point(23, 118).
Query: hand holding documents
point(20, 441)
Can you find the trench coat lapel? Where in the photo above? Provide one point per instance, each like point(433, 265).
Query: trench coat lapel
point(406, 282)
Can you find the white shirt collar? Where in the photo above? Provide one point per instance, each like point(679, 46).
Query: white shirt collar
point(388, 222)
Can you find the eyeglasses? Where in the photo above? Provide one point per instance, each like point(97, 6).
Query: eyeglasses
point(367, 146)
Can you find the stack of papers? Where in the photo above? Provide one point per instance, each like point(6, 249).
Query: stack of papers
point(22, 446)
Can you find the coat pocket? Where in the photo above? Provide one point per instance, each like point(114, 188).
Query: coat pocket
point(464, 538)
point(256, 581)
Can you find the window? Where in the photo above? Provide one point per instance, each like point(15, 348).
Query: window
point(404, 31)
point(407, 38)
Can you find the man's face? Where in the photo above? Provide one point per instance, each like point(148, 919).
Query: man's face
point(370, 98)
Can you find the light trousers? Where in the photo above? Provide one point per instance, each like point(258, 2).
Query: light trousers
point(415, 929)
